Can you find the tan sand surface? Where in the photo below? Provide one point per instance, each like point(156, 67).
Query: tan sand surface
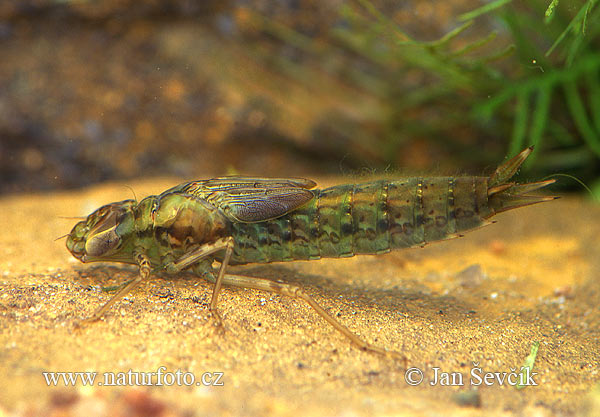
point(483, 299)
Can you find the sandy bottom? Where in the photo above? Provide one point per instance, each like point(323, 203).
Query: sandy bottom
point(457, 309)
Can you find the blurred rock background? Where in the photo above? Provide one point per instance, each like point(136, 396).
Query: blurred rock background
point(119, 89)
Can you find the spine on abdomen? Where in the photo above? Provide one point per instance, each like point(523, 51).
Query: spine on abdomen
point(370, 218)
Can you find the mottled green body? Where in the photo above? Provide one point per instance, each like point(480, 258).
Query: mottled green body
point(163, 227)
point(370, 218)
point(171, 224)
point(245, 220)
point(282, 219)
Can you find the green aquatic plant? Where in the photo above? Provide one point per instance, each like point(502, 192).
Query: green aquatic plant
point(507, 76)
point(552, 97)
point(558, 105)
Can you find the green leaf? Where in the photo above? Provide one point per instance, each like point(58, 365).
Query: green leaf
point(572, 26)
point(588, 9)
point(593, 85)
point(529, 361)
point(475, 45)
point(483, 10)
point(595, 190)
point(450, 35)
point(578, 113)
point(383, 19)
point(520, 124)
point(550, 11)
point(539, 118)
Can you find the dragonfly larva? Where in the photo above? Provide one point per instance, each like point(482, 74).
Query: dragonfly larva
point(239, 220)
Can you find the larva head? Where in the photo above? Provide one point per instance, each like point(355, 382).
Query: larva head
point(105, 234)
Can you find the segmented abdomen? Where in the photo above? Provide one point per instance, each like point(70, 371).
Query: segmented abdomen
point(369, 218)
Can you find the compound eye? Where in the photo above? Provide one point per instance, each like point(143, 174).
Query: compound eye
point(109, 221)
point(102, 243)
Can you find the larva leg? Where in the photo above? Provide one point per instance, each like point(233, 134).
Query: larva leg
point(295, 291)
point(145, 269)
point(198, 254)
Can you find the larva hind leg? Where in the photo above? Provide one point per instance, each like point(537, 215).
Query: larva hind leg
point(295, 291)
